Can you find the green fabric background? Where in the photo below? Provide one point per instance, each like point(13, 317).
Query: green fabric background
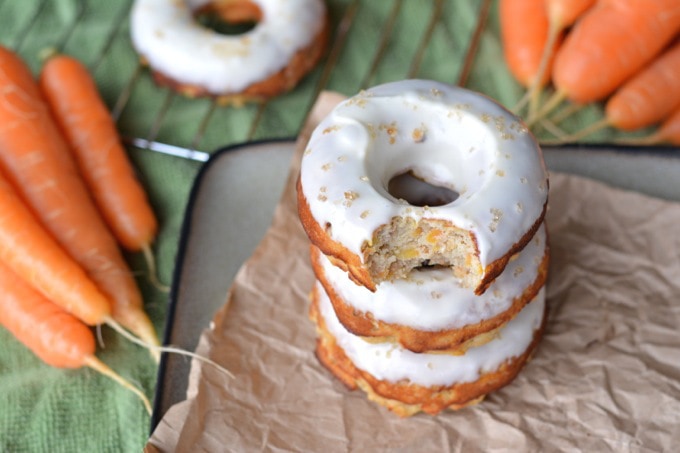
point(47, 409)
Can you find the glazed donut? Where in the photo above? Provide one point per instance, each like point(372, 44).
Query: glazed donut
point(287, 41)
point(408, 382)
point(446, 136)
point(430, 311)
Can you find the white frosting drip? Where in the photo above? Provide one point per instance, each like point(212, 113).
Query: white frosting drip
point(174, 43)
point(392, 363)
point(433, 300)
point(446, 135)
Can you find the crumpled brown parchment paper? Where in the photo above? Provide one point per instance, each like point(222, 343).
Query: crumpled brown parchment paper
point(606, 376)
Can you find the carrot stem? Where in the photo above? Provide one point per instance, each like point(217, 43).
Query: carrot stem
point(521, 103)
point(552, 128)
point(534, 90)
point(565, 113)
point(596, 126)
point(102, 368)
point(550, 105)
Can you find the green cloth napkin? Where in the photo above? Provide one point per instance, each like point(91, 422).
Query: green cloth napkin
point(47, 409)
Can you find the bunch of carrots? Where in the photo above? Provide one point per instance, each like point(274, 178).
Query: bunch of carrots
point(623, 53)
point(69, 199)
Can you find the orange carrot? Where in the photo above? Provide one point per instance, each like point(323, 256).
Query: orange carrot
point(668, 132)
point(28, 249)
point(561, 15)
point(89, 128)
point(532, 31)
point(524, 33)
point(87, 124)
point(645, 99)
point(58, 338)
point(610, 43)
point(648, 97)
point(38, 163)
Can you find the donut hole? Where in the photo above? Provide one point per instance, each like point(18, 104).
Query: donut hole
point(229, 18)
point(451, 165)
point(418, 192)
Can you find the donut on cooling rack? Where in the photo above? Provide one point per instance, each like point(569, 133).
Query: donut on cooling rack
point(286, 42)
point(407, 382)
point(446, 136)
point(429, 311)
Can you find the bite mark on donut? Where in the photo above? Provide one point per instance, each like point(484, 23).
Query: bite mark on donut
point(404, 245)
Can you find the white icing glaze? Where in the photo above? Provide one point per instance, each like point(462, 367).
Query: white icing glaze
point(448, 136)
point(174, 43)
point(390, 362)
point(433, 300)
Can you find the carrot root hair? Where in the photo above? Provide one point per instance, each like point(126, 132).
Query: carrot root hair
point(596, 126)
point(169, 349)
point(153, 269)
point(550, 104)
point(103, 369)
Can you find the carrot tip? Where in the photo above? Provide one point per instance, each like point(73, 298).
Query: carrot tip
point(147, 334)
point(137, 322)
point(153, 270)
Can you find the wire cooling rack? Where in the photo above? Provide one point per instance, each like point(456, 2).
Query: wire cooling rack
point(372, 42)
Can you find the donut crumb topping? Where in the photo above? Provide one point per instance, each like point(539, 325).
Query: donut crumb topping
point(418, 134)
point(497, 214)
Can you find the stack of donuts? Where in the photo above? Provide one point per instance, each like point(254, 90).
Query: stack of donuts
point(424, 205)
